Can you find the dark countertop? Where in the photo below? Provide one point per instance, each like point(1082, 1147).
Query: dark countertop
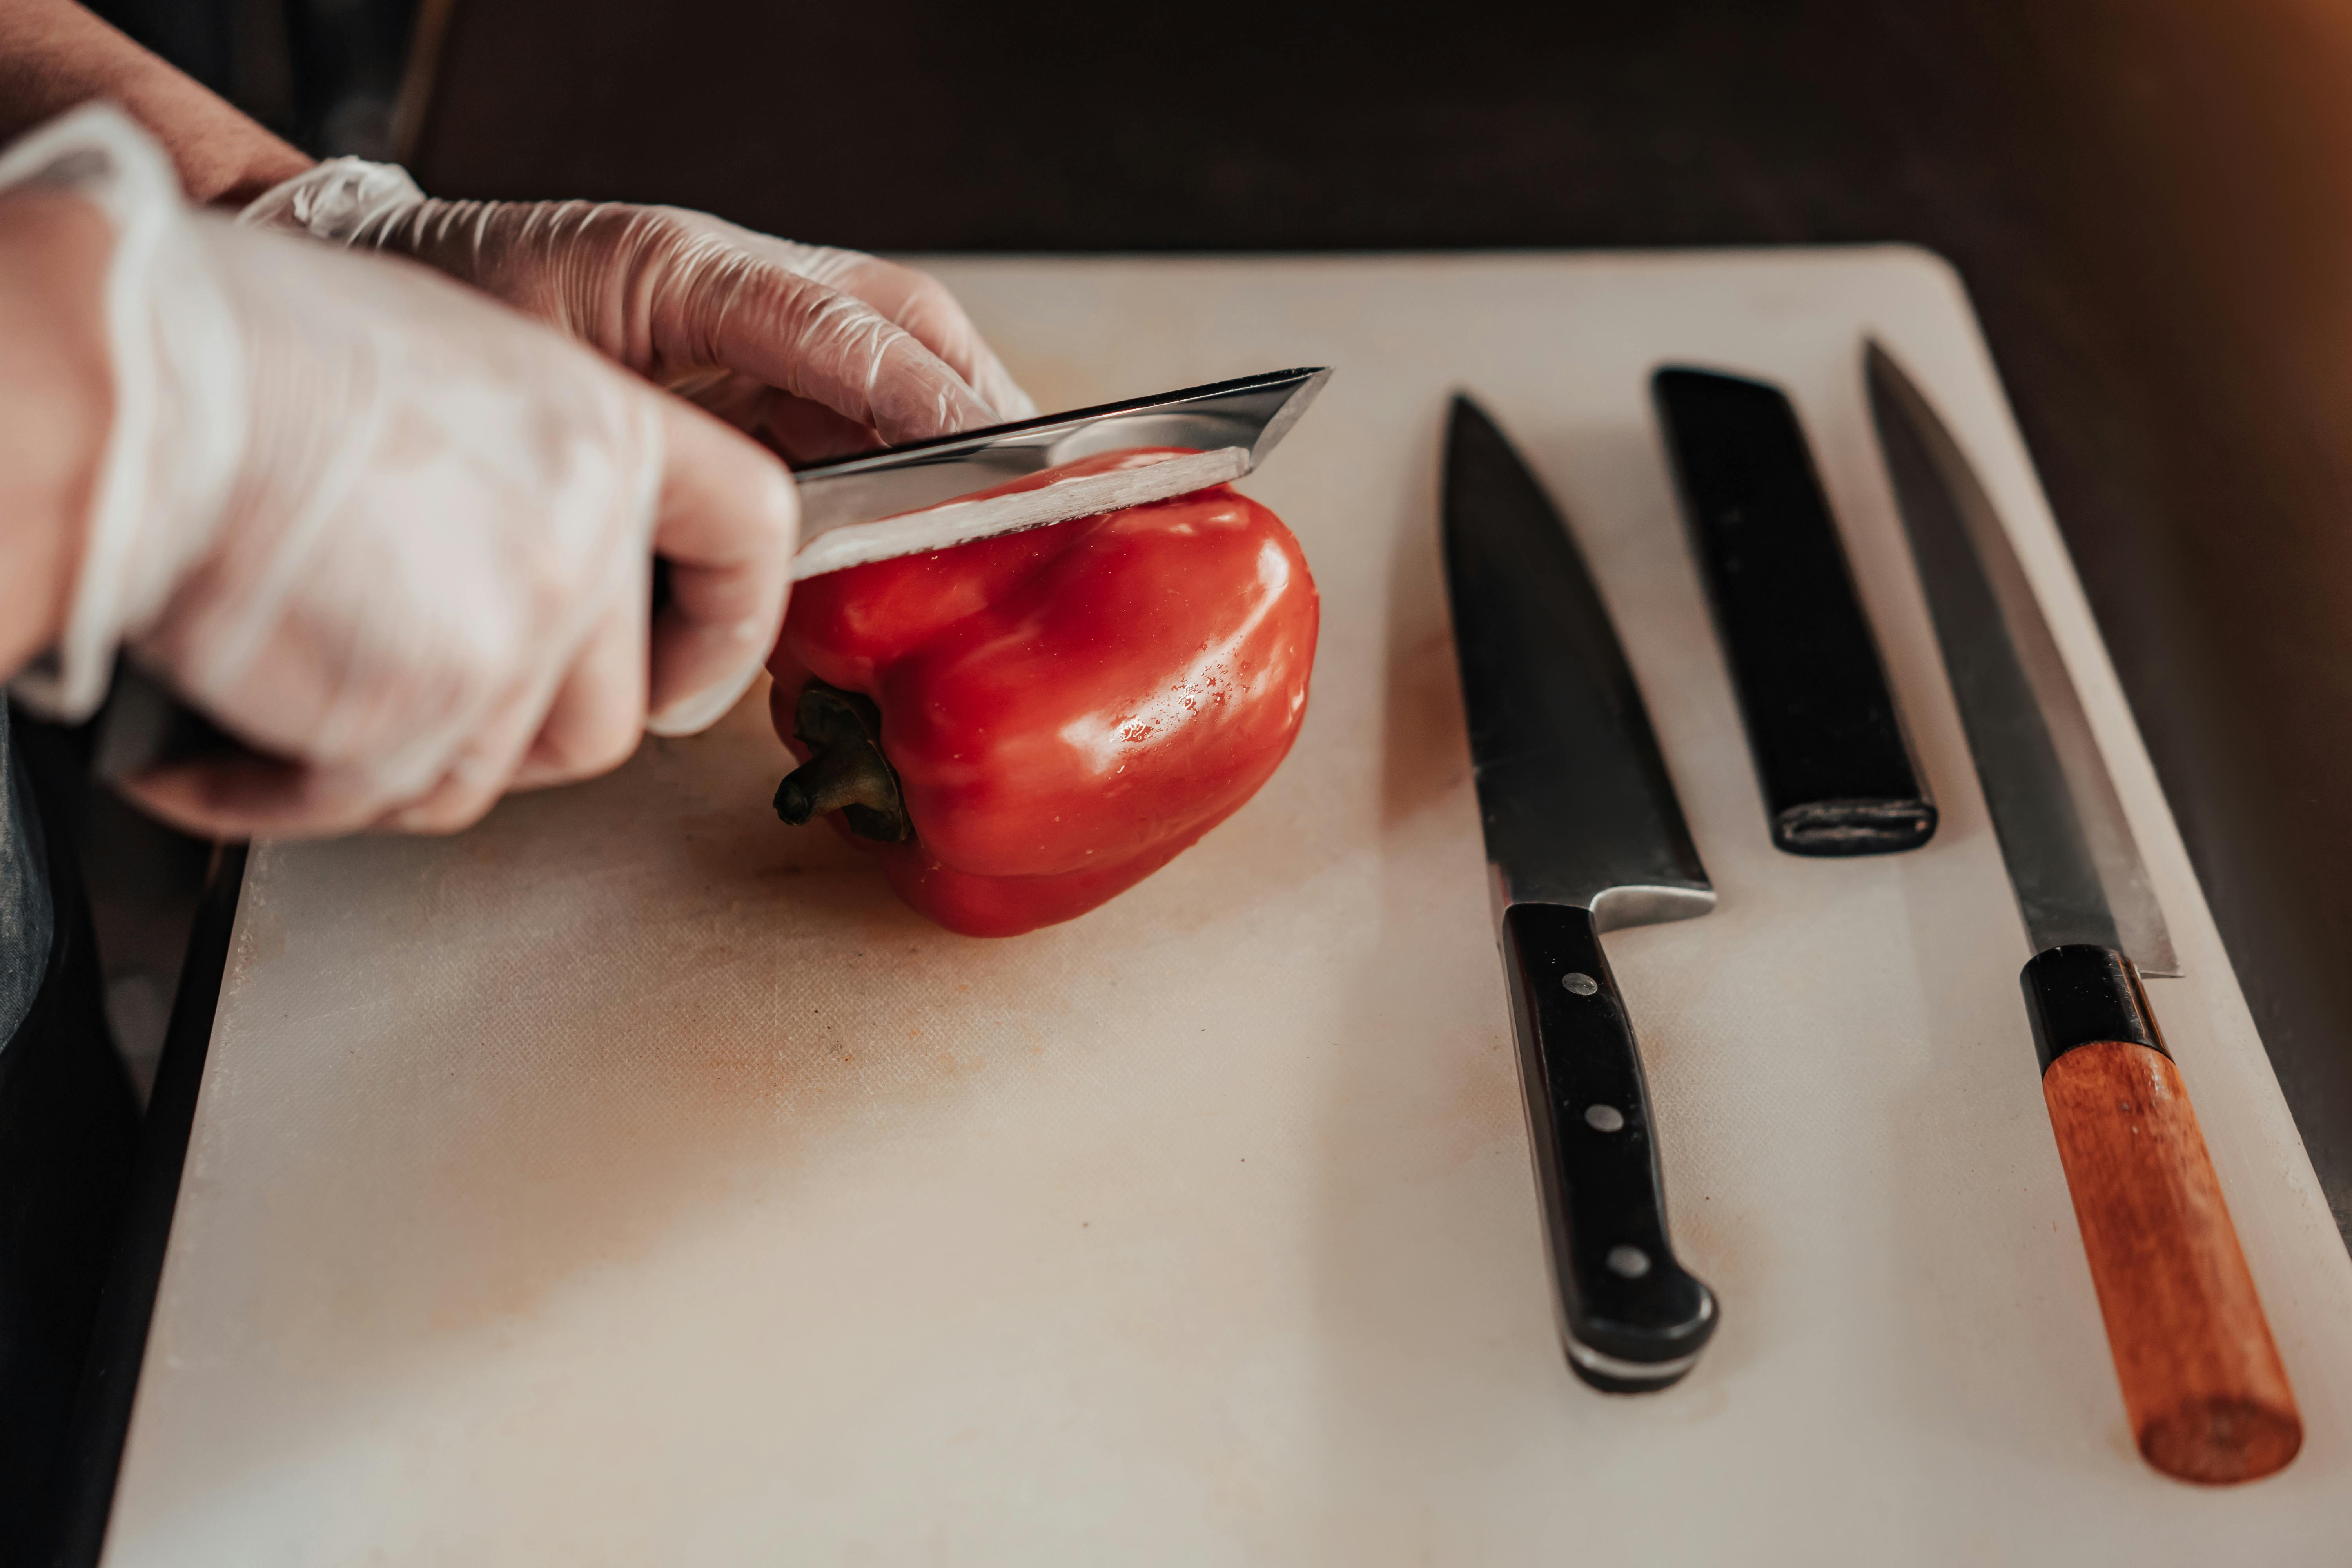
point(2147, 199)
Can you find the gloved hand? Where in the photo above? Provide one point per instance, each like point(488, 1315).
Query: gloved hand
point(816, 350)
point(383, 529)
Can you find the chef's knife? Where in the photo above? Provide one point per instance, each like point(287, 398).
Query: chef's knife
point(904, 500)
point(2207, 1398)
point(1583, 834)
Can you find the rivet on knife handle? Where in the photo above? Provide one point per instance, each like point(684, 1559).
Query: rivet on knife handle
point(1631, 1319)
point(2202, 1383)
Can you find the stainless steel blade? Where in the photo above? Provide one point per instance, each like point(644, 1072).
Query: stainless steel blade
point(2068, 846)
point(1577, 804)
point(908, 500)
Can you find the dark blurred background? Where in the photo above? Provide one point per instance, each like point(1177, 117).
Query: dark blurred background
point(325, 74)
point(2147, 199)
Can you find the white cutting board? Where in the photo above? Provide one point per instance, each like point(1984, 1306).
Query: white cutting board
point(633, 1181)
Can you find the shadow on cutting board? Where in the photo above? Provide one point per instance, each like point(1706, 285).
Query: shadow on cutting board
point(546, 1068)
point(576, 1139)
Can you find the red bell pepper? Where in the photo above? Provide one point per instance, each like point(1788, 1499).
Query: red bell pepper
point(1022, 727)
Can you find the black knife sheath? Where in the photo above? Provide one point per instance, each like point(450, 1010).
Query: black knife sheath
point(1830, 748)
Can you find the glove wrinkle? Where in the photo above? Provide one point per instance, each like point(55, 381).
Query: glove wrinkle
point(373, 522)
point(749, 327)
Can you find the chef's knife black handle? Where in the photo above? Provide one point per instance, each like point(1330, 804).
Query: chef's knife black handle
point(143, 728)
point(1631, 1319)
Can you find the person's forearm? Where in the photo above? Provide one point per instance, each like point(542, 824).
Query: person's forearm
point(56, 403)
point(54, 55)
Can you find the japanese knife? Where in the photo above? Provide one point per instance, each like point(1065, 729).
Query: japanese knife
point(903, 500)
point(1583, 834)
point(909, 499)
point(2202, 1383)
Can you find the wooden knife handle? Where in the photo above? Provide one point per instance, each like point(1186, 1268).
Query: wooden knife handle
point(2202, 1383)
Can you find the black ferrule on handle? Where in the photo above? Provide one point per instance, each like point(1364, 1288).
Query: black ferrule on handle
point(2079, 994)
point(1632, 1320)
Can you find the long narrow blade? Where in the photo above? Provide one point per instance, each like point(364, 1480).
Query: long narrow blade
point(2069, 849)
point(1577, 803)
point(909, 499)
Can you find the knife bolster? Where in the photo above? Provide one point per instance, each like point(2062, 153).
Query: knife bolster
point(2081, 994)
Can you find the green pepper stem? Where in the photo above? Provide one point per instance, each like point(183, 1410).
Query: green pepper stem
point(846, 771)
point(834, 778)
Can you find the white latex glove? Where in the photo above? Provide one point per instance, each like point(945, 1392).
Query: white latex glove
point(383, 529)
point(816, 350)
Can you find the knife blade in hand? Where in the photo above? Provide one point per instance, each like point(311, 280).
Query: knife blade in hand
point(906, 500)
point(911, 499)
